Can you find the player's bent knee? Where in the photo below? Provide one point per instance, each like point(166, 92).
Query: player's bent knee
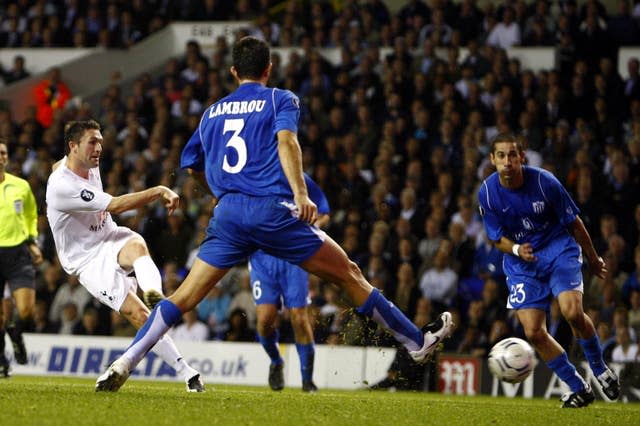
point(136, 247)
point(573, 313)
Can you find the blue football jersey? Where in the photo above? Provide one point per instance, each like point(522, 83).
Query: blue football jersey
point(236, 138)
point(537, 212)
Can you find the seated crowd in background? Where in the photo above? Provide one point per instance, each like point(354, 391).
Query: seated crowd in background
point(398, 143)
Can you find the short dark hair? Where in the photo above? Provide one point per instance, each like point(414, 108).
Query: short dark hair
point(74, 130)
point(506, 137)
point(251, 57)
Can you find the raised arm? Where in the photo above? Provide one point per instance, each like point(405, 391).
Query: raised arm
point(291, 160)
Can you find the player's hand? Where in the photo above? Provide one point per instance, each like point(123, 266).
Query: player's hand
point(307, 209)
point(598, 267)
point(36, 254)
point(526, 252)
point(170, 198)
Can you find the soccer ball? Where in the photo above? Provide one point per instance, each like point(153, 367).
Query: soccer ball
point(512, 360)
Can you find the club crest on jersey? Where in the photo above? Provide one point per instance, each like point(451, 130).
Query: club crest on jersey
point(538, 206)
point(86, 195)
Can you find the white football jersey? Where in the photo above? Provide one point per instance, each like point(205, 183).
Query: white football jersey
point(76, 209)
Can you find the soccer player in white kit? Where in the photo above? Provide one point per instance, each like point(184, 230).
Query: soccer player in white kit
point(101, 253)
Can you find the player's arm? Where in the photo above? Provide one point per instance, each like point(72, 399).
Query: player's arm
point(582, 237)
point(291, 161)
point(135, 200)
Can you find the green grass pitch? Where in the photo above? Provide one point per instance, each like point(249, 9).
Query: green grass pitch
point(27, 400)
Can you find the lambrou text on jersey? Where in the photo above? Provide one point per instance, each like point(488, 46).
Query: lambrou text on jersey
point(237, 107)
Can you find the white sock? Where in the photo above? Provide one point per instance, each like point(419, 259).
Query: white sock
point(167, 350)
point(147, 274)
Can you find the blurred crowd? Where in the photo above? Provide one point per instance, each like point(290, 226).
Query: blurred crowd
point(398, 143)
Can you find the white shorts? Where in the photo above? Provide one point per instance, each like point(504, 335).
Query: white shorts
point(103, 277)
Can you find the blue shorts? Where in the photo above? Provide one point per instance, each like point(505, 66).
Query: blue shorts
point(558, 269)
point(242, 224)
point(273, 280)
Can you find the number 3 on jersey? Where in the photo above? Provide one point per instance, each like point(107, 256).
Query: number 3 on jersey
point(237, 143)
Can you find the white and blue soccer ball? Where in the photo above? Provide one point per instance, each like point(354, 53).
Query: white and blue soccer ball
point(512, 360)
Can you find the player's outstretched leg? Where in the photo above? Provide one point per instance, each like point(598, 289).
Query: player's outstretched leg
point(331, 262)
point(419, 343)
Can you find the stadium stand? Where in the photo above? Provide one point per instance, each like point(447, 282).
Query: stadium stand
point(398, 109)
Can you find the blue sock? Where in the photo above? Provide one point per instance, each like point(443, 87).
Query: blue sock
point(270, 345)
point(306, 353)
point(593, 353)
point(391, 318)
point(162, 318)
point(567, 372)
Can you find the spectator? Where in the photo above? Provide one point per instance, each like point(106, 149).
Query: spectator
point(174, 240)
point(51, 95)
point(625, 350)
point(440, 282)
point(40, 319)
point(243, 299)
point(506, 33)
point(69, 318)
point(17, 72)
point(634, 311)
point(71, 292)
point(88, 325)
point(239, 330)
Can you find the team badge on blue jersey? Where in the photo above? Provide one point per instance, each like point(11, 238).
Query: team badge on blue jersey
point(538, 206)
point(86, 195)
